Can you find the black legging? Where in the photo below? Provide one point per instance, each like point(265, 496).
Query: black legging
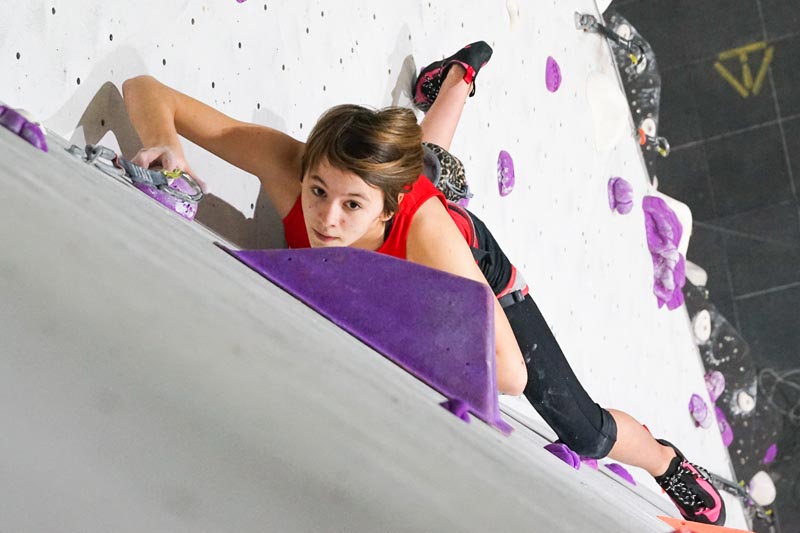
point(553, 389)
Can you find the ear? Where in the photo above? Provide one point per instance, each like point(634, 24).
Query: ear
point(390, 215)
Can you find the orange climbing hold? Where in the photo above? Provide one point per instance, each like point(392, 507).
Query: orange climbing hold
point(683, 526)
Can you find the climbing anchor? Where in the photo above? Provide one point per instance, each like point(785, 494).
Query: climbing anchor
point(589, 23)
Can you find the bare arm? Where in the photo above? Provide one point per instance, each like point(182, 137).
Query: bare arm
point(160, 114)
point(434, 241)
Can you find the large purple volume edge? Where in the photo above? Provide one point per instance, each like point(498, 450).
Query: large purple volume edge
point(438, 327)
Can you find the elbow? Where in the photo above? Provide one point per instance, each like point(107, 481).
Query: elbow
point(131, 85)
point(514, 382)
point(520, 382)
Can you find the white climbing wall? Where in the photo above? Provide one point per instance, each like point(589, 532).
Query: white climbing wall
point(283, 63)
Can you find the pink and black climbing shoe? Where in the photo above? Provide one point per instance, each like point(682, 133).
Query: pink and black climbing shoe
point(427, 85)
point(689, 487)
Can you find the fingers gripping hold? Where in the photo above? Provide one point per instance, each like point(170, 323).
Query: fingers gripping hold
point(167, 158)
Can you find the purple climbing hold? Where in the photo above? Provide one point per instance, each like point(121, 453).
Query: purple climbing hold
point(771, 454)
point(11, 120)
point(454, 354)
point(715, 384)
point(241, 1)
point(622, 472)
point(552, 75)
point(32, 133)
point(664, 229)
point(463, 202)
point(590, 462)
point(724, 427)
point(563, 452)
point(699, 411)
point(505, 173)
point(186, 209)
point(664, 233)
point(458, 407)
point(620, 195)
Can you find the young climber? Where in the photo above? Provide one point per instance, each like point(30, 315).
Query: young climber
point(356, 182)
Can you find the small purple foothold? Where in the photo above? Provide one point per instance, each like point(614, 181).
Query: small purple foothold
point(552, 75)
point(590, 462)
point(771, 454)
point(11, 120)
point(33, 134)
point(620, 195)
point(715, 384)
point(724, 427)
point(464, 202)
point(241, 1)
point(505, 173)
point(186, 209)
point(699, 411)
point(620, 470)
point(458, 407)
point(563, 452)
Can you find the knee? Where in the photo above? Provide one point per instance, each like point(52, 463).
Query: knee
point(598, 442)
point(596, 447)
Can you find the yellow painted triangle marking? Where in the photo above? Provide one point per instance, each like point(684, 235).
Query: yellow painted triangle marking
point(747, 76)
point(742, 50)
point(762, 72)
point(747, 85)
point(730, 79)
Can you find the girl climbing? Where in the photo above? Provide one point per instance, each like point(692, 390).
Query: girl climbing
point(357, 182)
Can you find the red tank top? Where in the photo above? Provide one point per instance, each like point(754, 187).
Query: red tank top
point(294, 226)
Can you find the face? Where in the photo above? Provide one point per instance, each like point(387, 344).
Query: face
point(341, 209)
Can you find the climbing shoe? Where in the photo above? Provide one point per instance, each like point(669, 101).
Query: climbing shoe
point(689, 487)
point(427, 85)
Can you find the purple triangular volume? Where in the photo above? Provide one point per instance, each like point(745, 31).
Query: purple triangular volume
point(438, 327)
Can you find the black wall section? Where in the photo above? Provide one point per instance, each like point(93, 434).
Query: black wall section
point(736, 162)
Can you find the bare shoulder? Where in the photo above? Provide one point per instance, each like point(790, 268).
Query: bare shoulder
point(435, 241)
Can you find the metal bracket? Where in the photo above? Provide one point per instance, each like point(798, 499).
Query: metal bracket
point(589, 23)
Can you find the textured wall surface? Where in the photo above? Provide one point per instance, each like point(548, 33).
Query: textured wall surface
point(154, 383)
point(283, 64)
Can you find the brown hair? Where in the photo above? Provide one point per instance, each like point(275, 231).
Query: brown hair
point(383, 147)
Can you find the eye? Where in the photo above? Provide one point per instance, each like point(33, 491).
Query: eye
point(352, 205)
point(317, 191)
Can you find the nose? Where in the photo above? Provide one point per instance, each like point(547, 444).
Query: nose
point(330, 214)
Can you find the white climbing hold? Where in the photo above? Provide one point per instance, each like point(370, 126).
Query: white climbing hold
point(27, 115)
point(762, 488)
point(513, 13)
point(609, 110)
point(648, 125)
point(701, 325)
point(696, 274)
point(745, 401)
point(624, 30)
